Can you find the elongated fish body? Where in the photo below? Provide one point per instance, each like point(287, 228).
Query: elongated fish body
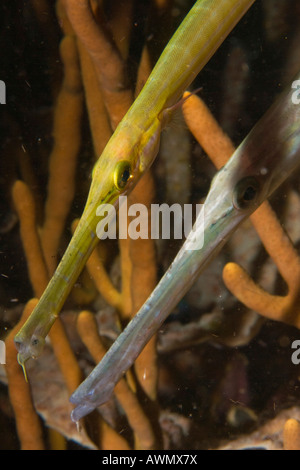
point(131, 150)
point(267, 156)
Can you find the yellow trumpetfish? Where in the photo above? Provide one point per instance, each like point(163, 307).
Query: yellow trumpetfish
point(132, 149)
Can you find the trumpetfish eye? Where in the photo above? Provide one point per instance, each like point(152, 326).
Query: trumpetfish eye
point(122, 174)
point(245, 192)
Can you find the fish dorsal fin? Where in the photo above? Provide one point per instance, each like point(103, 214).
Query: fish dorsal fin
point(167, 114)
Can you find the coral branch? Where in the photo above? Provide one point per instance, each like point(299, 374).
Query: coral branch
point(137, 419)
point(28, 423)
point(206, 130)
point(120, 25)
point(24, 205)
point(109, 65)
point(143, 281)
point(280, 248)
point(98, 117)
point(110, 439)
point(38, 275)
point(291, 435)
point(65, 356)
point(67, 141)
point(101, 279)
